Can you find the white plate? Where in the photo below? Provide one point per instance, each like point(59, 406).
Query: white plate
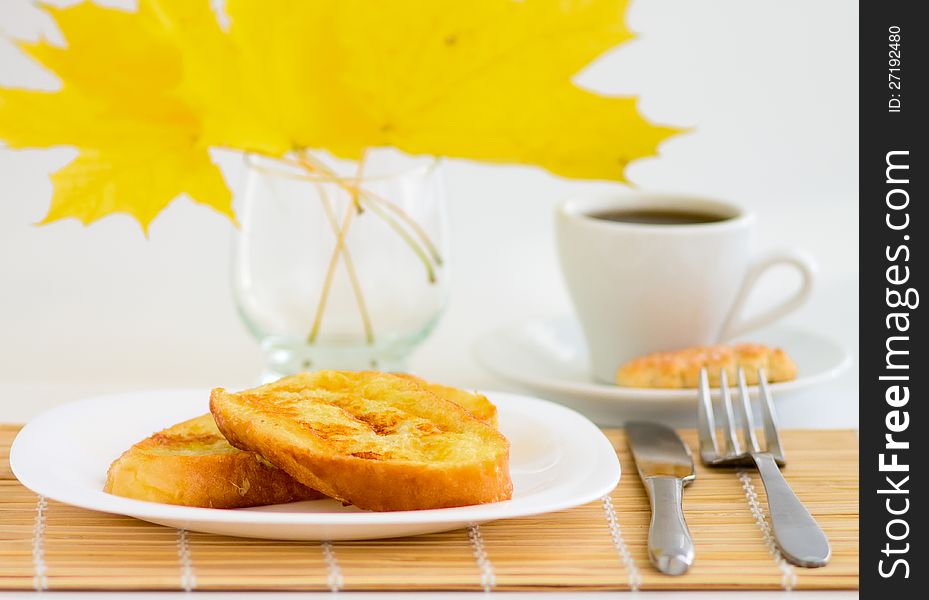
point(558, 459)
point(549, 356)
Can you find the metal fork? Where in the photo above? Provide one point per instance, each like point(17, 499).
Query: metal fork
point(796, 533)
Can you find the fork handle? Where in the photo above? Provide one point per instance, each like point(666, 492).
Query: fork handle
point(670, 547)
point(797, 534)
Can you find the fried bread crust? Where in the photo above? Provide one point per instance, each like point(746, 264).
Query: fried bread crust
point(192, 464)
point(379, 441)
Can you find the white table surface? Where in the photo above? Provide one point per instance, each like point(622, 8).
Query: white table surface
point(88, 311)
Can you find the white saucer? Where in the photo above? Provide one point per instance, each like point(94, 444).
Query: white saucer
point(549, 356)
point(558, 459)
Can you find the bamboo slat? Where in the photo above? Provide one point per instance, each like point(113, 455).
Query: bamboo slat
point(571, 550)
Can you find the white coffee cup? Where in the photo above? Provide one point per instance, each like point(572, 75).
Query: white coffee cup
point(641, 288)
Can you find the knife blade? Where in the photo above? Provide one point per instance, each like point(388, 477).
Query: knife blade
point(665, 466)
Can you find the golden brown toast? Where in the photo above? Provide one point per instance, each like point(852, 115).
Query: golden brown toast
point(165, 466)
point(681, 369)
point(192, 464)
point(375, 440)
point(476, 404)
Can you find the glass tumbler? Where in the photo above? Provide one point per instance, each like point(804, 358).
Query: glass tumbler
point(335, 271)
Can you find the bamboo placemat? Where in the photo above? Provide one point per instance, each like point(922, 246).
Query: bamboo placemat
point(601, 546)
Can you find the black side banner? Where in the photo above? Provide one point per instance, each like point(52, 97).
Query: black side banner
point(894, 372)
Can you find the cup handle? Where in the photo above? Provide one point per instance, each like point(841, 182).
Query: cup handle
point(736, 324)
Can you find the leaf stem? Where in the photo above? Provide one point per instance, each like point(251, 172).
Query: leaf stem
point(352, 275)
point(410, 221)
point(360, 198)
point(340, 249)
point(405, 235)
point(330, 272)
point(373, 198)
point(350, 265)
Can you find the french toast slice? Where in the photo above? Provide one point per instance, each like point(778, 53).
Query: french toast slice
point(379, 441)
point(192, 464)
point(176, 466)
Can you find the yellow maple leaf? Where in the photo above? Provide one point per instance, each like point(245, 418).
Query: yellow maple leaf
point(227, 84)
point(140, 145)
point(487, 80)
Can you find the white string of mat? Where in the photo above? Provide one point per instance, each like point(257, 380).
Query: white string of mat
point(188, 578)
point(39, 568)
point(488, 578)
point(788, 574)
point(334, 579)
point(634, 577)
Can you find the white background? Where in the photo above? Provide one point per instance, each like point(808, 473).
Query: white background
point(770, 89)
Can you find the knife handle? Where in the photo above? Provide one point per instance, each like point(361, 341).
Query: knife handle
point(670, 546)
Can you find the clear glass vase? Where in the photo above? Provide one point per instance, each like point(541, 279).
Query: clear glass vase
point(336, 270)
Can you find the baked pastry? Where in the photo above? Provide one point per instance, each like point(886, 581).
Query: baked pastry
point(681, 369)
point(192, 464)
point(378, 441)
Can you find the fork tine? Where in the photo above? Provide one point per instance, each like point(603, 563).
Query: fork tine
point(706, 423)
point(771, 436)
point(732, 435)
point(748, 419)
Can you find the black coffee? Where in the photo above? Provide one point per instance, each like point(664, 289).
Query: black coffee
point(658, 216)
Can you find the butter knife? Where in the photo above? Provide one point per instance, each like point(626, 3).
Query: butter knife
point(665, 467)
